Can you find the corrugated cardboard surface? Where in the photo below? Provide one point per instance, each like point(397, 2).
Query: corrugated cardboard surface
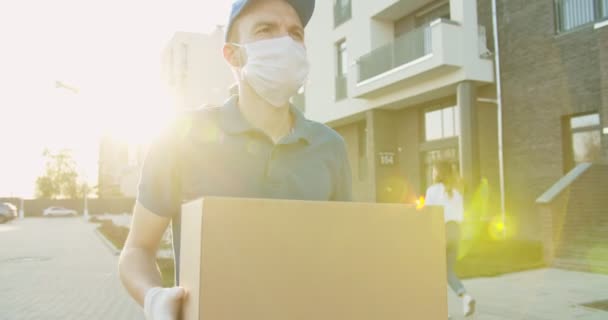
point(273, 259)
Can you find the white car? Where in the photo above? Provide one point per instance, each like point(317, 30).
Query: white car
point(7, 212)
point(58, 212)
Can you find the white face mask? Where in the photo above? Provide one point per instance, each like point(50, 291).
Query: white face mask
point(276, 68)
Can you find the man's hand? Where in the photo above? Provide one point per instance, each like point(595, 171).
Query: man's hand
point(163, 303)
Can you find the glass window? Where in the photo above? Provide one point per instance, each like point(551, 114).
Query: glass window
point(184, 61)
point(433, 126)
point(586, 146)
point(589, 120)
point(576, 13)
point(457, 120)
point(342, 11)
point(425, 16)
point(342, 56)
point(450, 154)
point(584, 139)
point(448, 122)
point(341, 70)
point(442, 123)
point(362, 151)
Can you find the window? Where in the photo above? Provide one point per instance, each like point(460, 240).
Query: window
point(341, 70)
point(438, 11)
point(362, 150)
point(431, 157)
point(184, 61)
point(442, 123)
point(583, 139)
point(342, 55)
point(342, 11)
point(576, 13)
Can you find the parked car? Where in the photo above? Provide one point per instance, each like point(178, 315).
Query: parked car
point(58, 212)
point(7, 212)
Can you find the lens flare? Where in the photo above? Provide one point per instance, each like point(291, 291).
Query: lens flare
point(500, 229)
point(420, 203)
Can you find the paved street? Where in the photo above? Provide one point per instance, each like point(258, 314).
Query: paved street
point(548, 294)
point(59, 269)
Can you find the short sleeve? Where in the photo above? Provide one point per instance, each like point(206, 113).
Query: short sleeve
point(432, 196)
point(159, 187)
point(343, 184)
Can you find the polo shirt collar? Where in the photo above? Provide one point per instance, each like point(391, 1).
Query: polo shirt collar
point(233, 122)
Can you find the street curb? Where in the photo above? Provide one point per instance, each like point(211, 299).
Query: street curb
point(113, 250)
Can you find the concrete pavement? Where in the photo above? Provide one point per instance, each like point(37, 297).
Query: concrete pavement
point(57, 268)
point(548, 294)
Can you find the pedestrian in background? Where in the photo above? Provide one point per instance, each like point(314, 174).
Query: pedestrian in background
point(445, 192)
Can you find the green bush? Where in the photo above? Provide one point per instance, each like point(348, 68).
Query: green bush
point(489, 258)
point(116, 234)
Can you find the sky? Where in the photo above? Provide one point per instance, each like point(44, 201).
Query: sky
point(110, 51)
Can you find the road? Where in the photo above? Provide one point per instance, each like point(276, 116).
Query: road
point(58, 268)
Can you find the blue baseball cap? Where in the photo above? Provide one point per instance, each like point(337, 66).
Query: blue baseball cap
point(304, 8)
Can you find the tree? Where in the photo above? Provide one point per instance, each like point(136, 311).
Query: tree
point(60, 179)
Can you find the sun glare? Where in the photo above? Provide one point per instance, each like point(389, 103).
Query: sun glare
point(109, 68)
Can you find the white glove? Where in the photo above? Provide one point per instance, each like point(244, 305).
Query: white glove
point(163, 303)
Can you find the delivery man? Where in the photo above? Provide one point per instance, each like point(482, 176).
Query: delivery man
point(256, 145)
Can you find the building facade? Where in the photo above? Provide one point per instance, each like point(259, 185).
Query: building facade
point(197, 75)
point(119, 168)
point(408, 82)
point(195, 70)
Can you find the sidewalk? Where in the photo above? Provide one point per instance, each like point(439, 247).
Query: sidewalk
point(58, 269)
point(548, 294)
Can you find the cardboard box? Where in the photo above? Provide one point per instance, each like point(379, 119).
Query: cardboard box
point(244, 259)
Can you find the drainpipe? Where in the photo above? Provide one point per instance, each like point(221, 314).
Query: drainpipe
point(501, 167)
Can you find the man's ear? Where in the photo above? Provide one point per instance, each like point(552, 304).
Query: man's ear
point(233, 55)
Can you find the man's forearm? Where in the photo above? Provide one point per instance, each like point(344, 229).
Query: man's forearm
point(138, 272)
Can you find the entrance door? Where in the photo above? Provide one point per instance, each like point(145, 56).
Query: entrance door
point(441, 131)
point(430, 157)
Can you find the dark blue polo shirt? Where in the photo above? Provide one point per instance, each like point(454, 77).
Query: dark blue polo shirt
point(214, 151)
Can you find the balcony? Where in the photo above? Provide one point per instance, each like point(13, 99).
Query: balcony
point(406, 48)
point(341, 87)
point(423, 59)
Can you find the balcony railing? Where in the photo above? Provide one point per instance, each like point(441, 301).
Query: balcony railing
point(342, 11)
point(404, 49)
point(341, 87)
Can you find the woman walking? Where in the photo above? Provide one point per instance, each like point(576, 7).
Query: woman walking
point(444, 192)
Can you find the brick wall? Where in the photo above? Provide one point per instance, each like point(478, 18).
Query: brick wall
point(602, 35)
point(545, 76)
